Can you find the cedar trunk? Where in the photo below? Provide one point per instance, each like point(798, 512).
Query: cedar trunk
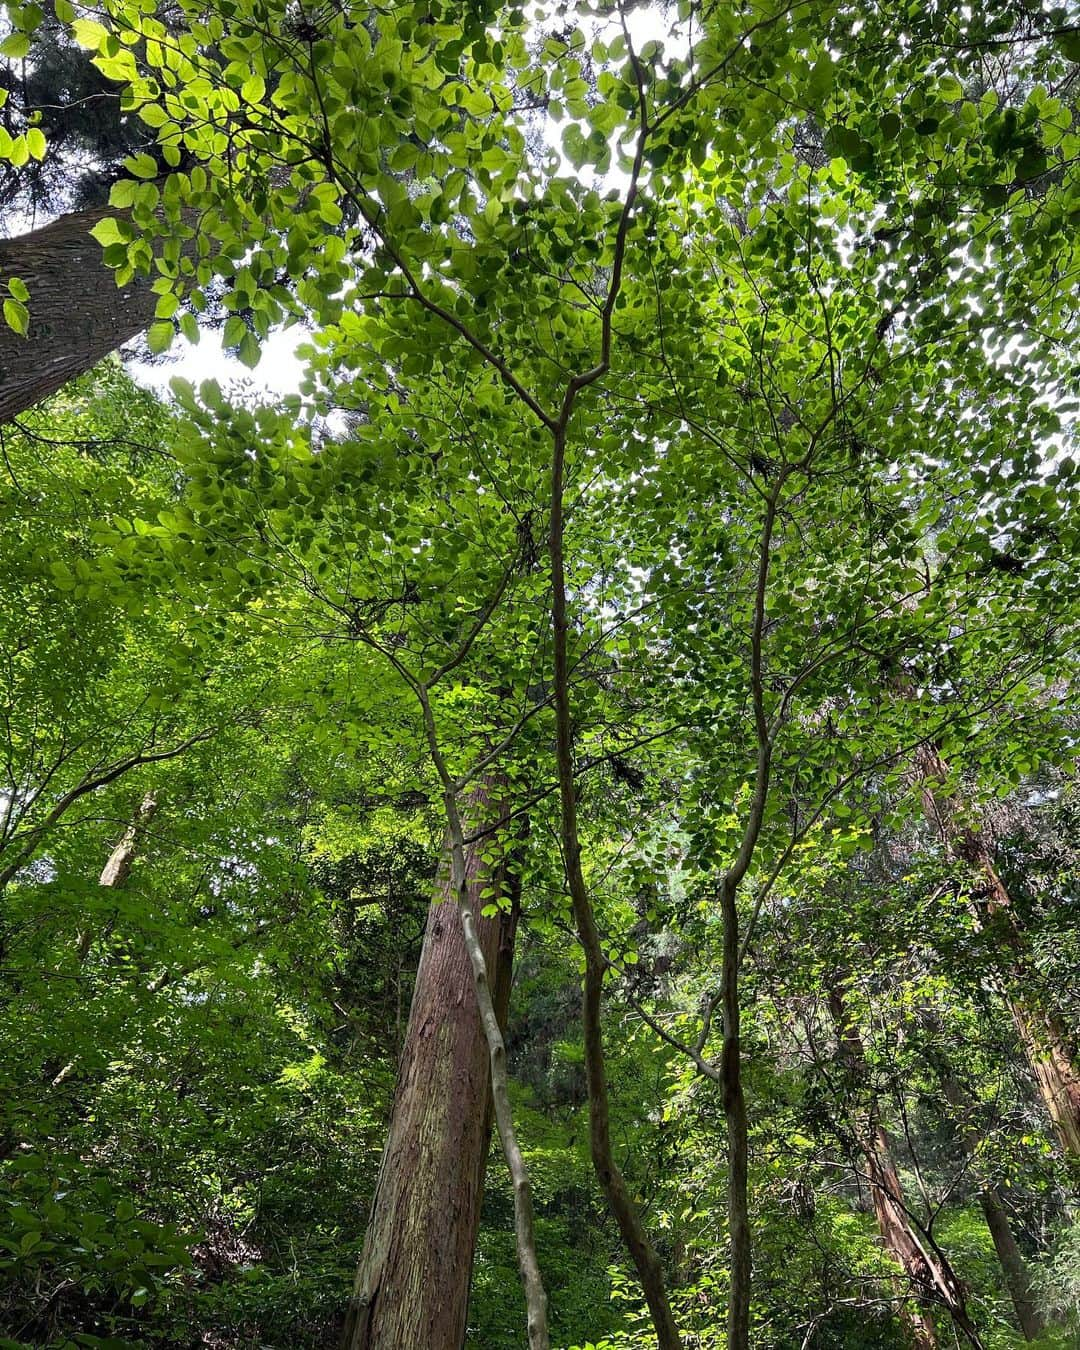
point(78, 314)
point(412, 1285)
point(895, 1229)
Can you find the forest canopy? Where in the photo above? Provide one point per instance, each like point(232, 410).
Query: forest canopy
point(561, 828)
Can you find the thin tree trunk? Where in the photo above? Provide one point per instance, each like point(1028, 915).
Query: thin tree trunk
point(1013, 1266)
point(738, 1131)
point(114, 874)
point(928, 1269)
point(611, 1180)
point(412, 1285)
point(78, 314)
point(23, 848)
point(118, 868)
point(1041, 1032)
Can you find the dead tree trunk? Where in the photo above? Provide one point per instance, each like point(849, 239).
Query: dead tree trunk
point(78, 314)
point(412, 1285)
point(114, 874)
point(1040, 1030)
point(926, 1266)
point(118, 868)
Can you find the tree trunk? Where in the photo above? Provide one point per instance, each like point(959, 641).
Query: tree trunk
point(412, 1285)
point(1040, 1030)
point(738, 1132)
point(895, 1229)
point(929, 1271)
point(118, 868)
point(114, 874)
point(78, 314)
point(1013, 1266)
point(612, 1182)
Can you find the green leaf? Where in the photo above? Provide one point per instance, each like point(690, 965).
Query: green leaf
point(249, 351)
point(122, 194)
point(89, 33)
point(1069, 45)
point(108, 232)
point(891, 126)
point(141, 165)
point(35, 142)
point(235, 331)
point(159, 337)
point(154, 115)
point(16, 316)
point(15, 46)
point(18, 289)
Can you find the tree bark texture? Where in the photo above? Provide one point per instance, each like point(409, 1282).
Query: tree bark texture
point(412, 1285)
point(928, 1270)
point(78, 314)
point(1040, 1030)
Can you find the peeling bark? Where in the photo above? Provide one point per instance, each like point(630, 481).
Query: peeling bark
point(926, 1266)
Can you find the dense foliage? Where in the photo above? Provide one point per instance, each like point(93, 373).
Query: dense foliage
point(677, 513)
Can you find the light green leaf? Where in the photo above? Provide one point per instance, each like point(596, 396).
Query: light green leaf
point(154, 115)
point(122, 194)
point(141, 165)
point(249, 352)
point(159, 337)
point(17, 316)
point(15, 46)
point(89, 33)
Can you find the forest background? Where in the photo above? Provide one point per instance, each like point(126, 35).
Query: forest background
point(620, 704)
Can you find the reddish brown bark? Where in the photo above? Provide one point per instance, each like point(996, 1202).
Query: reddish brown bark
point(929, 1273)
point(896, 1233)
point(1040, 1029)
point(78, 314)
point(412, 1285)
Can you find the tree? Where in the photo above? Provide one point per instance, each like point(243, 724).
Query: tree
point(412, 1285)
point(704, 402)
point(1039, 1028)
